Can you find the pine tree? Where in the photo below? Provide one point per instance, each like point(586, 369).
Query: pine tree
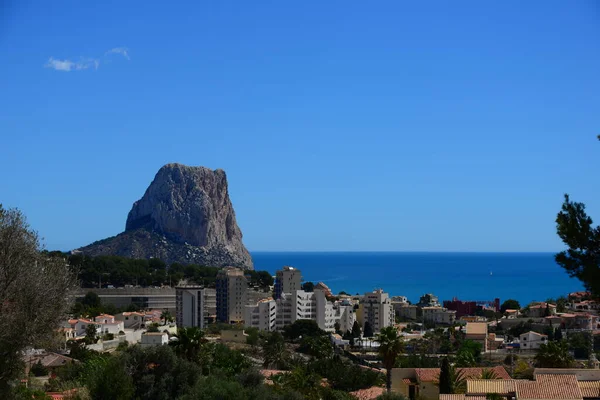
point(445, 379)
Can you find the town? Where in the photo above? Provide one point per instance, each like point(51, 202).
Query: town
point(504, 349)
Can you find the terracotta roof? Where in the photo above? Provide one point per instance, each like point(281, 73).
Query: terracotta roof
point(476, 328)
point(533, 333)
point(589, 388)
point(452, 397)
point(549, 387)
point(409, 381)
point(369, 393)
point(485, 386)
point(432, 374)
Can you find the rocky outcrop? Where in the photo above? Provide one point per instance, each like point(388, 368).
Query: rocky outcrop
point(185, 216)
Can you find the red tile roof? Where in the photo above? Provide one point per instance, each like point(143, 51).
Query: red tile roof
point(563, 387)
point(432, 374)
point(369, 393)
point(590, 388)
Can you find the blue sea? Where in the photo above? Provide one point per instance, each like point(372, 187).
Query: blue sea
point(525, 277)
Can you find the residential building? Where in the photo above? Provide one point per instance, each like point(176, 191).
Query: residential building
point(154, 339)
point(540, 310)
point(376, 309)
point(191, 306)
point(344, 315)
point(108, 324)
point(438, 315)
point(429, 300)
point(422, 383)
point(231, 295)
point(80, 325)
point(287, 280)
point(461, 307)
point(477, 332)
point(261, 315)
point(305, 305)
point(405, 310)
point(131, 320)
point(511, 314)
point(532, 340)
point(399, 299)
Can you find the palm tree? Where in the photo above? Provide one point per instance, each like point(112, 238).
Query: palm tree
point(554, 355)
point(390, 346)
point(166, 316)
point(188, 342)
point(489, 374)
point(274, 351)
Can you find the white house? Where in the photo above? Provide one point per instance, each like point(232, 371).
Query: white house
point(532, 340)
point(154, 339)
point(131, 320)
point(79, 326)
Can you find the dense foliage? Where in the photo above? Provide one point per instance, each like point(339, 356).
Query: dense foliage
point(102, 271)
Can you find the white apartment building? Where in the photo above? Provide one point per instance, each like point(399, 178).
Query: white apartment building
point(231, 295)
point(305, 305)
point(345, 316)
point(439, 315)
point(262, 315)
point(191, 306)
point(287, 280)
point(376, 309)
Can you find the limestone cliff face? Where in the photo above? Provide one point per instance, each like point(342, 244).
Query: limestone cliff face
point(185, 216)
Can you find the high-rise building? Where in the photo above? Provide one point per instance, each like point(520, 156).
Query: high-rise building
point(191, 306)
point(305, 305)
point(287, 280)
point(231, 295)
point(376, 309)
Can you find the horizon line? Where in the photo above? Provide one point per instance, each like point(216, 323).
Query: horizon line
point(408, 251)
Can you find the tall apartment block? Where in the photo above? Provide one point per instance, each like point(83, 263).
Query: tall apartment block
point(231, 295)
point(287, 280)
point(376, 309)
point(191, 306)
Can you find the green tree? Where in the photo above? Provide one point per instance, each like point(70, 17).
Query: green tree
point(308, 286)
point(558, 334)
point(368, 330)
point(91, 333)
point(33, 285)
point(317, 346)
point(166, 316)
point(274, 351)
point(188, 342)
point(582, 258)
point(110, 381)
point(91, 300)
point(38, 369)
point(471, 347)
point(451, 381)
point(445, 382)
point(510, 304)
point(302, 328)
point(554, 355)
point(390, 347)
point(488, 374)
point(356, 331)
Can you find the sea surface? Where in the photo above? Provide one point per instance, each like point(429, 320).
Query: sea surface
point(525, 277)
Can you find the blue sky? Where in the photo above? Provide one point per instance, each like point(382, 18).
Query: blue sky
point(423, 126)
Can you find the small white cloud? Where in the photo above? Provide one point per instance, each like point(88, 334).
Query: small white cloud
point(68, 65)
point(124, 51)
point(84, 63)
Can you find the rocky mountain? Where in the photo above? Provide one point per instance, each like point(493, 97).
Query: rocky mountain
point(185, 216)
